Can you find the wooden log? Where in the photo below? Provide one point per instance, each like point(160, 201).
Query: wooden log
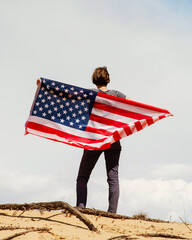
point(58, 205)
point(25, 232)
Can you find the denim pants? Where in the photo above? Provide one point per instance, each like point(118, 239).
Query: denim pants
point(88, 162)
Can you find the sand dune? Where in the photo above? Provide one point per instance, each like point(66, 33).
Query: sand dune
point(55, 225)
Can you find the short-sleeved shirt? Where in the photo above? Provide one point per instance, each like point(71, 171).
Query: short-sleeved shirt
point(111, 92)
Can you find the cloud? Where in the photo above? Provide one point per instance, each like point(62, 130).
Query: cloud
point(18, 187)
point(159, 198)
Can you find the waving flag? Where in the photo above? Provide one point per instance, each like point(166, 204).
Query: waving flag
point(85, 118)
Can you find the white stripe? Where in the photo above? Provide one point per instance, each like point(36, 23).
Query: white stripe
point(112, 116)
point(133, 128)
point(128, 107)
point(122, 133)
point(97, 125)
point(65, 129)
point(144, 123)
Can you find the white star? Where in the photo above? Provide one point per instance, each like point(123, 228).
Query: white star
point(48, 86)
point(75, 93)
point(37, 104)
point(53, 83)
point(40, 109)
point(55, 109)
point(63, 86)
point(46, 93)
point(52, 103)
point(79, 98)
point(49, 111)
point(44, 114)
point(61, 106)
point(81, 91)
point(58, 100)
point(72, 88)
point(73, 101)
point(57, 88)
point(65, 112)
point(86, 109)
point(42, 88)
point(49, 98)
point(88, 100)
point(71, 123)
point(71, 109)
point(46, 105)
point(35, 112)
point(44, 81)
point(43, 100)
point(82, 103)
point(59, 114)
point(68, 118)
point(64, 99)
point(40, 95)
point(77, 120)
point(80, 126)
point(52, 117)
point(62, 120)
point(66, 90)
point(80, 112)
point(74, 114)
point(67, 104)
point(70, 95)
point(91, 93)
point(77, 106)
point(54, 95)
point(83, 118)
point(84, 95)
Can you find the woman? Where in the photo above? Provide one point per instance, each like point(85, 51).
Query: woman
point(101, 78)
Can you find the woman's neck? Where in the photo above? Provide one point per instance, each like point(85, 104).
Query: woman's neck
point(102, 88)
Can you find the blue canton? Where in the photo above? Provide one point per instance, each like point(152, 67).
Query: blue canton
point(63, 103)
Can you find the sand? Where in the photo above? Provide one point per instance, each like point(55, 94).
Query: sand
point(68, 227)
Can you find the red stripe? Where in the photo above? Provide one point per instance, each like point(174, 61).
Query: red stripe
point(161, 117)
point(150, 121)
point(107, 121)
point(138, 126)
point(127, 130)
point(98, 131)
point(116, 136)
point(131, 102)
point(119, 111)
point(70, 137)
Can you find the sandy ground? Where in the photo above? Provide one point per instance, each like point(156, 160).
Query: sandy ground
point(63, 226)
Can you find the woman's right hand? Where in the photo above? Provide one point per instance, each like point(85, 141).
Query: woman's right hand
point(38, 81)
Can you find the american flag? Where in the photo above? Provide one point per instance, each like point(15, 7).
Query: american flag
point(84, 118)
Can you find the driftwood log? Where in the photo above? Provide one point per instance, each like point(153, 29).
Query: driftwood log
point(59, 205)
point(162, 235)
point(24, 232)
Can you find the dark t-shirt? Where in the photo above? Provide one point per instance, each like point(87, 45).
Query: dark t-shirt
point(111, 92)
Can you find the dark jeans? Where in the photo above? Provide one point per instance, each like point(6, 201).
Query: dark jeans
point(88, 162)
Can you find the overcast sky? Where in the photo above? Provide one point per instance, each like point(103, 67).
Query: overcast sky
point(146, 45)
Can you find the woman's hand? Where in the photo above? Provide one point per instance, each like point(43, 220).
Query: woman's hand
point(38, 81)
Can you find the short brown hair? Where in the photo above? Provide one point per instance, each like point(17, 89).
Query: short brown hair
point(100, 76)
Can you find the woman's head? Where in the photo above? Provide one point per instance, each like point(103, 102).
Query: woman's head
point(100, 76)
